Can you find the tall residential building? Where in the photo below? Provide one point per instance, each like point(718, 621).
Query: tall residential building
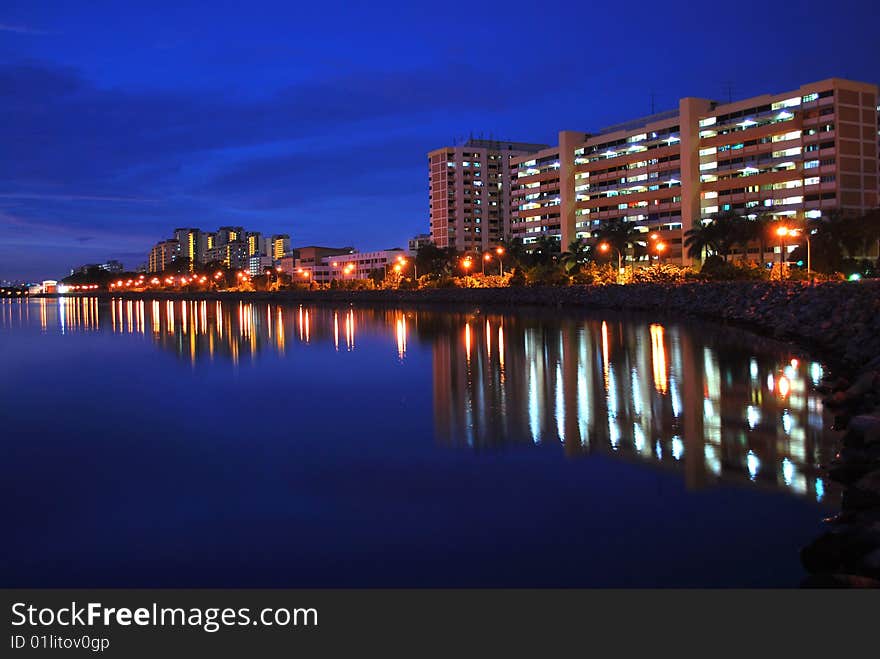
point(225, 235)
point(470, 192)
point(232, 254)
point(789, 155)
point(279, 246)
point(193, 245)
point(162, 255)
point(256, 243)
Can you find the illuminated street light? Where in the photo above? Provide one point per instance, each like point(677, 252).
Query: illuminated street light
point(605, 247)
point(782, 232)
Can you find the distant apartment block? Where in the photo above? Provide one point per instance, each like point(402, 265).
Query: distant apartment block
point(470, 189)
point(112, 265)
point(418, 241)
point(162, 255)
point(193, 245)
point(279, 246)
point(795, 155)
point(230, 246)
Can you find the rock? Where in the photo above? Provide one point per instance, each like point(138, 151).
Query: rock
point(867, 427)
point(827, 580)
point(863, 384)
point(870, 564)
point(864, 493)
point(824, 554)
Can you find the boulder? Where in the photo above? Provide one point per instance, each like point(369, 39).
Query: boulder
point(864, 494)
point(867, 427)
point(827, 580)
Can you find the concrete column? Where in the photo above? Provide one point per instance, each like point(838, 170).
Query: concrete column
point(569, 140)
point(690, 111)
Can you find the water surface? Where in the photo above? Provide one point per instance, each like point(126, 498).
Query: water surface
point(193, 443)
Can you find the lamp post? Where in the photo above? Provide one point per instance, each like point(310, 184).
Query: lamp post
point(604, 247)
point(486, 258)
point(500, 252)
point(402, 262)
point(782, 232)
point(466, 263)
point(660, 247)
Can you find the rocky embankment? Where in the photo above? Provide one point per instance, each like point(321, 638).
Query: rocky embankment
point(848, 553)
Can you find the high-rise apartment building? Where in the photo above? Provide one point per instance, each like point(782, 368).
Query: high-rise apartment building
point(193, 245)
point(257, 244)
point(279, 246)
point(470, 192)
point(792, 155)
point(162, 255)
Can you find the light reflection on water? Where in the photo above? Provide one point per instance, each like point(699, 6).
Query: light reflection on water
point(660, 394)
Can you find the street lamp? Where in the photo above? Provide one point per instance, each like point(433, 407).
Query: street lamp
point(782, 232)
point(605, 247)
point(466, 263)
point(486, 258)
point(402, 262)
point(500, 252)
point(660, 247)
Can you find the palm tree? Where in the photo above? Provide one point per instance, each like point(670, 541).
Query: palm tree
point(618, 234)
point(728, 232)
point(577, 255)
point(701, 240)
point(756, 230)
point(515, 252)
point(544, 249)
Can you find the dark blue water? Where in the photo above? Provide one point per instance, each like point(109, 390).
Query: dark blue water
point(205, 444)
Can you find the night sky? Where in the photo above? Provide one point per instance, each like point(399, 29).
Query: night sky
point(119, 123)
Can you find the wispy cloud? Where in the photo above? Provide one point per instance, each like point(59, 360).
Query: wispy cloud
point(21, 29)
point(73, 197)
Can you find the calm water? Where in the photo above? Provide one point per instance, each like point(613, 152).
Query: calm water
point(231, 444)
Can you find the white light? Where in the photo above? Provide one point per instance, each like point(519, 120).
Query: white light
point(753, 414)
point(753, 464)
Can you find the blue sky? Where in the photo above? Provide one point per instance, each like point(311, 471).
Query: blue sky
point(123, 120)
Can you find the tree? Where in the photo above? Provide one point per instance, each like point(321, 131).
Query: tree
point(578, 254)
point(757, 230)
point(430, 259)
point(701, 241)
point(544, 250)
point(619, 234)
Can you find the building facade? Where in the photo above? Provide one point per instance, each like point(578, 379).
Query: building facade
point(418, 241)
point(193, 245)
point(280, 246)
point(162, 255)
point(469, 195)
point(793, 155)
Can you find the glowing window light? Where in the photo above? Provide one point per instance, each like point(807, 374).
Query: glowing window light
point(753, 464)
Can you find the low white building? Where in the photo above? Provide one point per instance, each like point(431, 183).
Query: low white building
point(356, 266)
point(257, 265)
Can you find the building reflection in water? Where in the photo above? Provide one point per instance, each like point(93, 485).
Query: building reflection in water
point(703, 402)
point(636, 389)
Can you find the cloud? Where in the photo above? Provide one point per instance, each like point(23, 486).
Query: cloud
point(83, 159)
point(21, 29)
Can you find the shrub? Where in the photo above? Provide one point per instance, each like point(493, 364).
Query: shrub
point(546, 275)
point(666, 273)
point(594, 274)
point(716, 268)
point(517, 278)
